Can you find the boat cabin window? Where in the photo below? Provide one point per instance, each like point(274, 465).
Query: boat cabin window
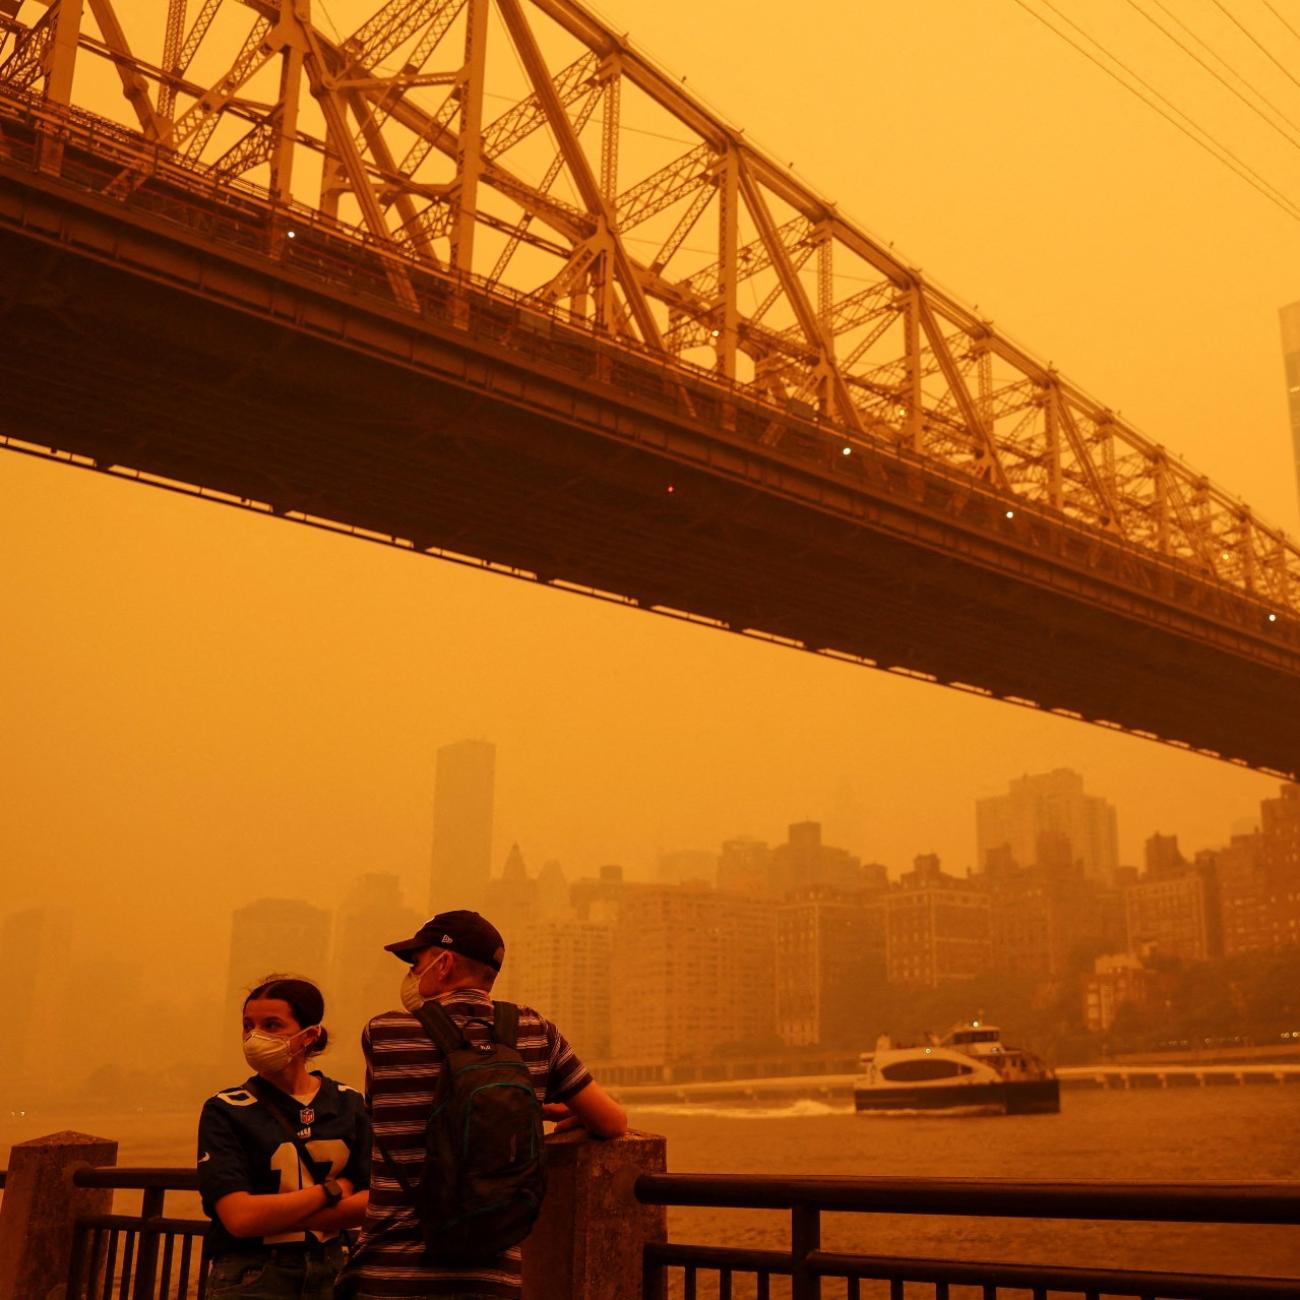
point(975, 1036)
point(923, 1068)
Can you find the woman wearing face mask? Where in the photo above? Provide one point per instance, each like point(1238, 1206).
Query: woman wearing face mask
point(284, 1159)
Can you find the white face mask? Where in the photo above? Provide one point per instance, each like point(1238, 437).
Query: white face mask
point(412, 998)
point(268, 1053)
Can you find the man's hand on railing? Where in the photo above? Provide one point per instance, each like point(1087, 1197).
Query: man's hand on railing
point(563, 1118)
point(592, 1109)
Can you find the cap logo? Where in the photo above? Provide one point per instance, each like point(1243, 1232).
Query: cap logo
point(446, 938)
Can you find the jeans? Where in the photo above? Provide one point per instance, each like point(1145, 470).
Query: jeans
point(276, 1273)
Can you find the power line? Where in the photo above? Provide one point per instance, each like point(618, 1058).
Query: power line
point(1218, 4)
point(1283, 21)
point(1191, 54)
point(1219, 152)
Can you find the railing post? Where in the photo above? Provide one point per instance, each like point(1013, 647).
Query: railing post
point(152, 1201)
point(805, 1237)
point(40, 1208)
point(590, 1238)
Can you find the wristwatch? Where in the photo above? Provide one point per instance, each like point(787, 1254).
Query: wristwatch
point(333, 1192)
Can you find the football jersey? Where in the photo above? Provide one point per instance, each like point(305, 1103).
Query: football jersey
point(243, 1147)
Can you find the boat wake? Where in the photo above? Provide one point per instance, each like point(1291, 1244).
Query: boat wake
point(804, 1109)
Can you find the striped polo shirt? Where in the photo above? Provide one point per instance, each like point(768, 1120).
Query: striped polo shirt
point(402, 1071)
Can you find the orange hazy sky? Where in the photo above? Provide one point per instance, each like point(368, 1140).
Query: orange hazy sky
point(199, 706)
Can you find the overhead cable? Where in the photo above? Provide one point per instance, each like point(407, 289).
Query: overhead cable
point(1232, 18)
point(1281, 19)
point(1191, 54)
point(1197, 134)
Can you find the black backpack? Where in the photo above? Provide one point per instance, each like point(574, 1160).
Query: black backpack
point(484, 1172)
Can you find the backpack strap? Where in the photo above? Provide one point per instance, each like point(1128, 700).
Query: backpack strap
point(441, 1028)
point(505, 1023)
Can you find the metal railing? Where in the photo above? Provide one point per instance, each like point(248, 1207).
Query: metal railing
point(697, 1271)
point(145, 1256)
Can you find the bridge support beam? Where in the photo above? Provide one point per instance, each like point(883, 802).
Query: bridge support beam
point(588, 1241)
point(40, 1208)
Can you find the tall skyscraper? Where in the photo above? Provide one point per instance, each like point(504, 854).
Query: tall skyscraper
point(1047, 820)
point(364, 979)
point(462, 825)
point(34, 947)
point(1290, 316)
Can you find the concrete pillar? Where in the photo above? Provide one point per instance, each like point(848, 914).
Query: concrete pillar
point(588, 1239)
point(39, 1207)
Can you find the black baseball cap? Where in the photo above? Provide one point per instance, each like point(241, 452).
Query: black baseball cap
point(467, 933)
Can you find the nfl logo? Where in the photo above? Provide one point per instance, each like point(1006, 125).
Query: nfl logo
point(306, 1115)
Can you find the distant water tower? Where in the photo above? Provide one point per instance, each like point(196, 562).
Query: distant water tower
point(1291, 355)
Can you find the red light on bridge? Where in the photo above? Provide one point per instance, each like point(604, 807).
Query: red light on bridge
point(671, 488)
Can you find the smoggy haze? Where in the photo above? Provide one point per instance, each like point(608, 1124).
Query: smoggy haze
point(199, 706)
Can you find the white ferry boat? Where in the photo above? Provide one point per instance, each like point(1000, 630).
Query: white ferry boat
point(968, 1071)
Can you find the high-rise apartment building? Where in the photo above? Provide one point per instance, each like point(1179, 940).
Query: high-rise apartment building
point(463, 795)
point(562, 969)
point(936, 927)
point(830, 964)
point(691, 974)
point(1047, 819)
point(1290, 320)
point(1038, 919)
point(1259, 879)
point(1173, 909)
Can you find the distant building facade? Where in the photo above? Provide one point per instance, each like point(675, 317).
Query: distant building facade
point(1047, 820)
point(804, 862)
point(830, 961)
point(463, 800)
point(936, 927)
point(1116, 979)
point(563, 969)
point(692, 975)
point(1259, 879)
point(1173, 909)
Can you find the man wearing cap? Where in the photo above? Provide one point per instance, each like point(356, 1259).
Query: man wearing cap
point(454, 959)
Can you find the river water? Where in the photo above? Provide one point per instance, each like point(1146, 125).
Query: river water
point(1240, 1134)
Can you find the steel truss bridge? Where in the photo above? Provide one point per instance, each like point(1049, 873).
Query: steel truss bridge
point(481, 280)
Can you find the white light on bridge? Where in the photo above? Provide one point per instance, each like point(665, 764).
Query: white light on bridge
point(1011, 514)
point(846, 451)
point(716, 333)
point(291, 234)
point(1272, 618)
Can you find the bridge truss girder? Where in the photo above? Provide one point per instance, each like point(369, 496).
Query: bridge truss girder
point(712, 254)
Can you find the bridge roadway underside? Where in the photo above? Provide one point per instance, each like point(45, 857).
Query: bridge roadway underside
point(135, 343)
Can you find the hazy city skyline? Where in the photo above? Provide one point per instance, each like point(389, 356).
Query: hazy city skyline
point(202, 706)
